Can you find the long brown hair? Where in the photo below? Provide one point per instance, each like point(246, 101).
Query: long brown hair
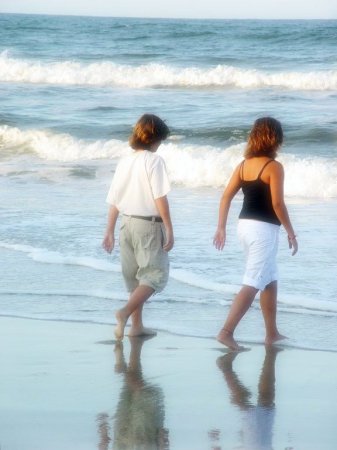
point(265, 138)
point(148, 130)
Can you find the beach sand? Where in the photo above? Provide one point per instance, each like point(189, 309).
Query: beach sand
point(69, 386)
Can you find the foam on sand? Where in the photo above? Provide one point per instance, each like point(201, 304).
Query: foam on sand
point(293, 303)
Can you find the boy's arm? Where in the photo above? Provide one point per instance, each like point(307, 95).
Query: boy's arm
point(164, 212)
point(109, 237)
point(226, 199)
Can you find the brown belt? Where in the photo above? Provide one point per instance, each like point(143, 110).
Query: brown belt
point(149, 218)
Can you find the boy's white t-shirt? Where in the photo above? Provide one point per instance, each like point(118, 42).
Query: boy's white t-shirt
point(139, 179)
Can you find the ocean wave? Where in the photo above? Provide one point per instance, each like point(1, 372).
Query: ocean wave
point(107, 73)
point(57, 147)
point(309, 177)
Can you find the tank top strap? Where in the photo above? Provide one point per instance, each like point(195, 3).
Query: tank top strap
point(268, 162)
point(241, 170)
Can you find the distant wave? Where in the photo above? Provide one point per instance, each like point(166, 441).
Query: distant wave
point(309, 177)
point(291, 304)
point(107, 73)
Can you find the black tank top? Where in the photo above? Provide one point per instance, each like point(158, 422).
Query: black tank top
point(257, 202)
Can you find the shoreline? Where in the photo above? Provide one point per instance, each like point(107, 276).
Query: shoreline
point(288, 343)
point(69, 385)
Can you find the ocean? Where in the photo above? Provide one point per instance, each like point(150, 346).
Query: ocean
point(72, 87)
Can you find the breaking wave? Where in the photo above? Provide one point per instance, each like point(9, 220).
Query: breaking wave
point(307, 177)
point(107, 73)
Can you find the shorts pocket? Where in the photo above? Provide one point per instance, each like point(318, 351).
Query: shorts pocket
point(144, 234)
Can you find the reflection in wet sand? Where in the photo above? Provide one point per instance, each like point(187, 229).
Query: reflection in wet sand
point(103, 431)
point(138, 423)
point(258, 420)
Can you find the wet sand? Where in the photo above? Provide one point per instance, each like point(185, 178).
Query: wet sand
point(68, 386)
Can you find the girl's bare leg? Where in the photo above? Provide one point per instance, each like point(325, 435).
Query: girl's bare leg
point(240, 306)
point(266, 387)
point(268, 302)
point(137, 299)
point(240, 395)
point(137, 327)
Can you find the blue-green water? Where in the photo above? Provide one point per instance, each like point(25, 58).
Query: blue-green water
point(72, 87)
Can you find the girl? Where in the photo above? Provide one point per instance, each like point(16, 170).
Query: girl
point(261, 179)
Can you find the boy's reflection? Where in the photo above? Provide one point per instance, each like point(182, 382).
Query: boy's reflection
point(257, 429)
point(139, 418)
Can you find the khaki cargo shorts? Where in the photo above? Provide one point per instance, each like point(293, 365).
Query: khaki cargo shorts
point(144, 262)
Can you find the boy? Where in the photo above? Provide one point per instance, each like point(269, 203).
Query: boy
point(139, 192)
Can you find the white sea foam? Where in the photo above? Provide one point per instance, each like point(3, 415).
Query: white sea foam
point(299, 305)
point(52, 257)
point(59, 147)
point(107, 73)
point(196, 280)
point(309, 177)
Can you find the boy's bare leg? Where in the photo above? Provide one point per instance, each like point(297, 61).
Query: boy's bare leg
point(120, 364)
point(268, 302)
point(137, 327)
point(241, 303)
point(137, 298)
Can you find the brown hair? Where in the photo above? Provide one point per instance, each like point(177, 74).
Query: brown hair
point(148, 130)
point(265, 138)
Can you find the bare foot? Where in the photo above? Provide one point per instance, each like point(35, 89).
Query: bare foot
point(141, 331)
point(226, 361)
point(121, 322)
point(226, 338)
point(273, 339)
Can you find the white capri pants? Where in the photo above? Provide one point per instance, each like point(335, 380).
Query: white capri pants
point(260, 244)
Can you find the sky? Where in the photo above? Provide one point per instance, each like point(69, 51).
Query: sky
point(201, 9)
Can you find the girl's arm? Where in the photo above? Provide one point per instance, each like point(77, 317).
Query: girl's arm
point(225, 203)
point(164, 212)
point(109, 237)
point(277, 195)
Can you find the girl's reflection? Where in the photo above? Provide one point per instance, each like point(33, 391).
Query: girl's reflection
point(139, 418)
point(258, 420)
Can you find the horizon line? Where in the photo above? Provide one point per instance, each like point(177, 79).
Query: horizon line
point(164, 18)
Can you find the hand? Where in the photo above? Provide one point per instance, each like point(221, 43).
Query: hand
point(108, 243)
point(219, 239)
point(293, 244)
point(169, 242)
